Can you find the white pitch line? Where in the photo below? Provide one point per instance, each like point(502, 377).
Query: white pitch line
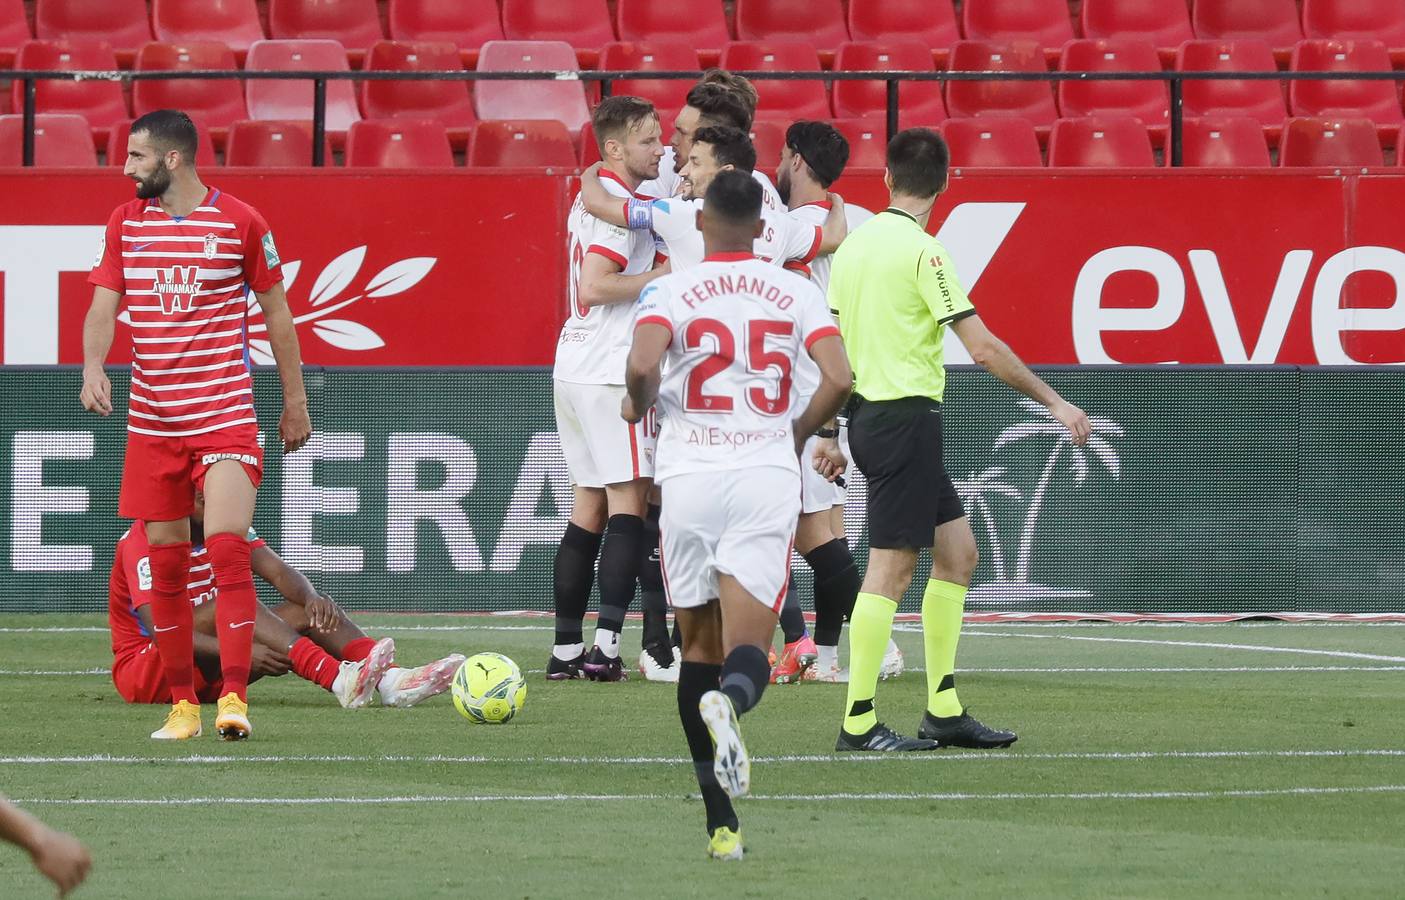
point(1112, 756)
point(784, 798)
point(19, 673)
point(51, 630)
point(1259, 648)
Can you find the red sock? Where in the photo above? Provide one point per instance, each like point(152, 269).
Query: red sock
point(358, 649)
point(173, 617)
point(313, 663)
point(235, 608)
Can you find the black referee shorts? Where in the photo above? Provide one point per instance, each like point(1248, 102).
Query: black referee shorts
point(897, 444)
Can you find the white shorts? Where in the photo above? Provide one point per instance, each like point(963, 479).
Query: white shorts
point(600, 447)
point(739, 523)
point(817, 493)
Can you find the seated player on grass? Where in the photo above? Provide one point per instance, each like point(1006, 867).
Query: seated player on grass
point(307, 634)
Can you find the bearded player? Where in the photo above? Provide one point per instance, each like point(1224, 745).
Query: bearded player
point(184, 257)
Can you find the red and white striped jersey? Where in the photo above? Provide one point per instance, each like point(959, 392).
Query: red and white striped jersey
point(185, 283)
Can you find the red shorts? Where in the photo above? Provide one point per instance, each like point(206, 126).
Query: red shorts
point(139, 678)
point(160, 474)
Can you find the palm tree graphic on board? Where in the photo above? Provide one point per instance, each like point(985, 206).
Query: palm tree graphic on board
point(977, 487)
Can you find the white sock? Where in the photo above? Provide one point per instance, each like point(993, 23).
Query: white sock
point(828, 658)
point(389, 679)
point(567, 652)
point(608, 642)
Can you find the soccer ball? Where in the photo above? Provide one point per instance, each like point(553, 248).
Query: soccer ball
point(489, 689)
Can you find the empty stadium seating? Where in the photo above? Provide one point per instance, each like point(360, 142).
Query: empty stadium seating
point(268, 143)
point(117, 143)
point(652, 56)
point(447, 101)
point(1261, 100)
point(1100, 142)
point(1165, 23)
point(1378, 101)
point(60, 139)
point(1045, 22)
point(1222, 141)
point(121, 24)
point(292, 99)
point(788, 100)
point(560, 100)
point(1275, 22)
point(233, 22)
point(1148, 101)
point(14, 30)
point(398, 144)
point(919, 102)
point(868, 142)
point(219, 103)
point(930, 22)
point(768, 136)
point(817, 22)
point(704, 28)
point(992, 141)
point(100, 103)
point(355, 24)
point(1378, 20)
point(467, 24)
point(584, 24)
point(522, 142)
point(1032, 100)
point(1329, 142)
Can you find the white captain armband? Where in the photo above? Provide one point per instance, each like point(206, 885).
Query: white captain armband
point(639, 214)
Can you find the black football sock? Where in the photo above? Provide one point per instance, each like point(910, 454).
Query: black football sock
point(694, 680)
point(744, 676)
point(619, 571)
point(573, 574)
point(792, 618)
point(836, 588)
point(651, 593)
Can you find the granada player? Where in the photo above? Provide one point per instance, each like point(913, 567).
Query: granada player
point(183, 255)
point(731, 329)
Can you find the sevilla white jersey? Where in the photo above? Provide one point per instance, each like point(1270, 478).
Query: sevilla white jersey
point(728, 395)
point(783, 239)
point(595, 340)
point(807, 374)
point(184, 281)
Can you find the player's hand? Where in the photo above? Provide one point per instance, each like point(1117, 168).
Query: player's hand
point(628, 412)
point(96, 395)
point(1074, 419)
point(295, 426)
point(60, 858)
point(828, 459)
point(323, 614)
point(267, 661)
point(593, 169)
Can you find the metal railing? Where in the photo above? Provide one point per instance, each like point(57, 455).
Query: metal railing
point(892, 80)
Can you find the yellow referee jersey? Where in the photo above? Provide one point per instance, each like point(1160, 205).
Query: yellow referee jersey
point(895, 291)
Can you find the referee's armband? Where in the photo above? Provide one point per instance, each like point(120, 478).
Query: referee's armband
point(639, 214)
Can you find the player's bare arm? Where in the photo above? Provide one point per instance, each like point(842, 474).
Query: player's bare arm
point(294, 426)
point(57, 855)
point(836, 382)
point(207, 646)
point(602, 282)
point(98, 327)
point(996, 357)
point(641, 376)
point(323, 614)
point(599, 202)
point(835, 227)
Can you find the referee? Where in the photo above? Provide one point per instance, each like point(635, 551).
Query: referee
point(895, 292)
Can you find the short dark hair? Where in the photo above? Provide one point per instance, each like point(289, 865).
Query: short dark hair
point(170, 129)
point(823, 148)
point(617, 116)
point(734, 196)
point(720, 105)
point(737, 84)
point(917, 161)
point(730, 146)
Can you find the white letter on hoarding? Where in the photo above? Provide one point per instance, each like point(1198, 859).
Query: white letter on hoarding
point(1091, 319)
point(31, 258)
point(406, 504)
point(971, 234)
point(303, 501)
point(1206, 267)
point(30, 499)
point(1329, 319)
point(543, 470)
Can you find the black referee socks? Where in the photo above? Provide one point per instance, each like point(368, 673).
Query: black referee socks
point(573, 574)
point(837, 585)
point(619, 569)
point(745, 673)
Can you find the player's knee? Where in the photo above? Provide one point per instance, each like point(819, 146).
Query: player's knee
point(229, 557)
point(957, 560)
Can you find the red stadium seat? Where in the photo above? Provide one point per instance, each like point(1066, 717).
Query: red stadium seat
point(990, 141)
point(560, 100)
point(820, 23)
point(590, 149)
point(768, 137)
point(1275, 22)
point(790, 100)
point(121, 24)
point(292, 99)
point(1379, 20)
point(399, 144)
point(100, 103)
point(117, 143)
point(1378, 101)
point(652, 56)
point(1032, 100)
point(1261, 100)
point(1222, 141)
point(1400, 146)
point(447, 101)
point(868, 142)
point(1329, 142)
point(1149, 101)
point(930, 22)
point(704, 28)
point(355, 24)
point(253, 143)
point(14, 30)
point(218, 103)
point(233, 22)
point(1165, 23)
point(584, 24)
point(1100, 142)
point(1046, 22)
point(919, 102)
point(522, 142)
point(60, 139)
point(468, 24)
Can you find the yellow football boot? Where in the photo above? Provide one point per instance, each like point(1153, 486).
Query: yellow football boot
point(232, 723)
point(725, 844)
point(182, 723)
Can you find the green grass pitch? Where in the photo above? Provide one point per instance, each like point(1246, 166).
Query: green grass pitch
point(1250, 760)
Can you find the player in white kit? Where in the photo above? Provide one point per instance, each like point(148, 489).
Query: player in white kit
point(729, 333)
point(611, 462)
